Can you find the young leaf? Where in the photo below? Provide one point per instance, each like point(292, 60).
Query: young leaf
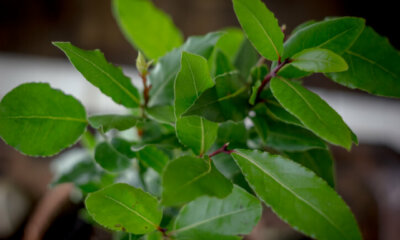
point(236, 214)
point(193, 78)
point(32, 121)
point(111, 121)
point(227, 100)
point(108, 78)
point(319, 61)
point(163, 75)
point(285, 137)
point(109, 158)
point(197, 133)
point(146, 27)
point(187, 178)
point(260, 26)
point(313, 112)
point(319, 161)
point(298, 196)
point(120, 207)
point(374, 66)
point(153, 157)
point(336, 34)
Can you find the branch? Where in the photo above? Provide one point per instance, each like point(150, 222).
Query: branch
point(223, 149)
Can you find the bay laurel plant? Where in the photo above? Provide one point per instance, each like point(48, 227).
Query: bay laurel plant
point(220, 125)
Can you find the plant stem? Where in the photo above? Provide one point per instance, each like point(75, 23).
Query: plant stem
point(223, 149)
point(270, 75)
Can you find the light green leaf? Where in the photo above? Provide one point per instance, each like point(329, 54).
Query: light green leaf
point(313, 112)
point(336, 34)
point(227, 100)
point(235, 214)
point(301, 26)
point(319, 60)
point(319, 161)
point(111, 121)
point(107, 77)
point(109, 158)
point(188, 178)
point(230, 42)
point(153, 157)
point(120, 207)
point(283, 136)
point(32, 121)
point(220, 63)
point(298, 196)
point(245, 58)
point(162, 114)
point(197, 133)
point(163, 75)
point(146, 27)
point(193, 78)
point(277, 111)
point(374, 66)
point(260, 26)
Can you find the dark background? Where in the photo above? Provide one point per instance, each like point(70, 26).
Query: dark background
point(365, 176)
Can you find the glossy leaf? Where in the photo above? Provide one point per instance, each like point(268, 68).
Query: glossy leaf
point(163, 75)
point(192, 79)
point(230, 42)
point(32, 121)
point(313, 112)
point(260, 26)
point(197, 133)
point(109, 158)
point(111, 121)
point(107, 77)
point(227, 100)
point(121, 207)
point(286, 137)
point(336, 34)
point(298, 196)
point(374, 66)
point(163, 114)
point(146, 27)
point(220, 63)
point(153, 157)
point(319, 60)
point(188, 178)
point(319, 161)
point(235, 214)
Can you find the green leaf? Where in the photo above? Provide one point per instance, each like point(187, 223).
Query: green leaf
point(163, 114)
point(313, 112)
point(374, 66)
point(111, 121)
point(146, 27)
point(245, 58)
point(301, 26)
point(336, 34)
point(220, 63)
point(107, 77)
point(153, 157)
point(120, 207)
point(319, 61)
point(191, 81)
point(163, 75)
point(187, 178)
point(319, 161)
point(227, 100)
point(33, 122)
point(109, 158)
point(298, 196)
point(230, 42)
point(236, 214)
point(234, 133)
point(197, 133)
point(277, 111)
point(260, 26)
point(283, 136)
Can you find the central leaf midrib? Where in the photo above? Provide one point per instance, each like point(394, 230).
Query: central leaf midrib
point(55, 118)
point(252, 161)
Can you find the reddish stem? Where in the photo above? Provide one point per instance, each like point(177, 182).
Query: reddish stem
point(270, 75)
point(223, 149)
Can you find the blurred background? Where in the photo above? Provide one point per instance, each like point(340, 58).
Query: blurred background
point(368, 177)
